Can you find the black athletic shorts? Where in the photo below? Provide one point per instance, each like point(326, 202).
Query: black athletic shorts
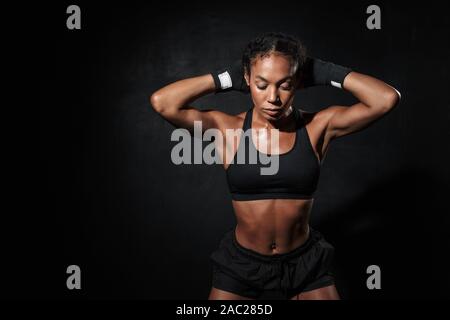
point(280, 276)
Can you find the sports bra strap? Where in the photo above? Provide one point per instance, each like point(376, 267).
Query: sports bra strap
point(247, 120)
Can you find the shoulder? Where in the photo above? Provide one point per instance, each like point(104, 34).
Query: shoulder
point(320, 118)
point(315, 119)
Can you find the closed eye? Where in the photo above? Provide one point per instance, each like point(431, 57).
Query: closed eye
point(284, 87)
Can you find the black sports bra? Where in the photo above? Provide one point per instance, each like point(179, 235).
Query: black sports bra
point(298, 169)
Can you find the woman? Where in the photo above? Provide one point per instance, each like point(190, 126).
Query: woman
point(272, 252)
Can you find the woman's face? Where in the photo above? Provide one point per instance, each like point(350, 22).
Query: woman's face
point(272, 85)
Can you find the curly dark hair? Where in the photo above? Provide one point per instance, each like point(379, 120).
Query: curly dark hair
point(269, 42)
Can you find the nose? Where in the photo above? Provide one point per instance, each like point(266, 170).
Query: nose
point(273, 96)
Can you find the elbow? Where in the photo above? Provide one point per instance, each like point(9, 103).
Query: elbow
point(156, 102)
point(391, 99)
point(161, 105)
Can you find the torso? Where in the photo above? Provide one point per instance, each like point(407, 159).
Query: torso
point(273, 226)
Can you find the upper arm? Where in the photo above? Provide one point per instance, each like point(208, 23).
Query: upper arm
point(343, 120)
point(208, 119)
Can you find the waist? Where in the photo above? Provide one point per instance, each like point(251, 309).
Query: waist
point(262, 223)
point(309, 238)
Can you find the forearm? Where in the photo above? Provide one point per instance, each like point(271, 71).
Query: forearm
point(176, 95)
point(371, 92)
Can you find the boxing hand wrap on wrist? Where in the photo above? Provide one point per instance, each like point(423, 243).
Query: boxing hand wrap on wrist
point(222, 80)
point(325, 73)
point(231, 78)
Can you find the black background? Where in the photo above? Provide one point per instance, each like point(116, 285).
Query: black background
point(140, 227)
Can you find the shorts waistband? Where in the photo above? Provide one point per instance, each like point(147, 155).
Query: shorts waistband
point(312, 238)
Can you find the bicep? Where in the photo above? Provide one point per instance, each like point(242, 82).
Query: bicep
point(346, 120)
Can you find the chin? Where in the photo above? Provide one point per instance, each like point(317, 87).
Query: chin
point(273, 116)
